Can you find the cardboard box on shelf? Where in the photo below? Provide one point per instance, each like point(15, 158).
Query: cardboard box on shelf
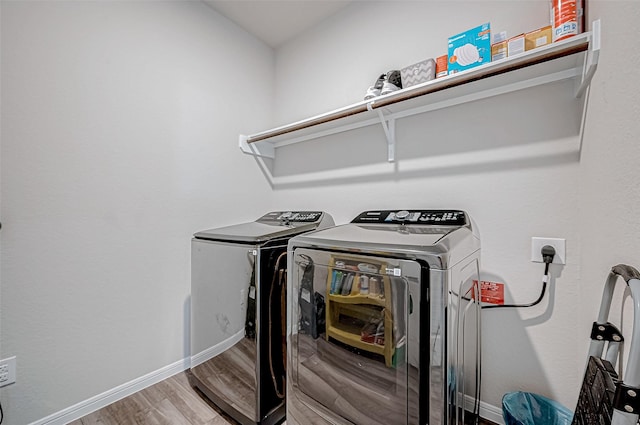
point(538, 38)
point(469, 49)
point(499, 46)
point(498, 51)
point(441, 66)
point(515, 45)
point(418, 73)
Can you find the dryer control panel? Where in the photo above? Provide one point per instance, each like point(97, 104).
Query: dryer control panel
point(289, 216)
point(422, 217)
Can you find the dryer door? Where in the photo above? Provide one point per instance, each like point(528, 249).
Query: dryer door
point(354, 338)
point(223, 342)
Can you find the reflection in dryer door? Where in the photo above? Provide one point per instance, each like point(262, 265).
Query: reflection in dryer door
point(356, 367)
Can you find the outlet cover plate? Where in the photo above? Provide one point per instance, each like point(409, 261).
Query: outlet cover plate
point(559, 244)
point(7, 371)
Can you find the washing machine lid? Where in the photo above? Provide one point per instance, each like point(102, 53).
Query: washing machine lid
point(273, 225)
point(441, 237)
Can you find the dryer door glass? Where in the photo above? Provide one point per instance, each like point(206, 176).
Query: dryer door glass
point(353, 352)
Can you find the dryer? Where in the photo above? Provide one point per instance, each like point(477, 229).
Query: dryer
point(238, 313)
point(384, 327)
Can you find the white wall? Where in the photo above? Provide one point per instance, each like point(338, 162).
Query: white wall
point(586, 199)
point(609, 167)
point(333, 65)
point(119, 129)
point(119, 140)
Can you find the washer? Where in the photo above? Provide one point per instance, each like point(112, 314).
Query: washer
point(238, 313)
point(383, 324)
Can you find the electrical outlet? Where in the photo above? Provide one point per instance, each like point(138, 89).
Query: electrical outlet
point(7, 371)
point(557, 243)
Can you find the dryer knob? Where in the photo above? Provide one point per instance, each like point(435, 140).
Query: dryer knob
point(402, 215)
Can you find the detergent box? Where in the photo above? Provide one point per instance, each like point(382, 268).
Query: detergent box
point(470, 48)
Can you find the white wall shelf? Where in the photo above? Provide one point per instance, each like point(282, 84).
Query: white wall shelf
point(575, 59)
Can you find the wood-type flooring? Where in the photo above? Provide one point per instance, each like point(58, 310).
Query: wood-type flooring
point(169, 402)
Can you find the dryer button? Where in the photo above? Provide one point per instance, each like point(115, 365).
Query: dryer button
point(402, 215)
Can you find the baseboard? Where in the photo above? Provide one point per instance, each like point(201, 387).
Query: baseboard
point(70, 414)
point(101, 400)
point(221, 347)
point(487, 411)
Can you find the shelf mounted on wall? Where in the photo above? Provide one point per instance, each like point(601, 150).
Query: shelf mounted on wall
point(574, 58)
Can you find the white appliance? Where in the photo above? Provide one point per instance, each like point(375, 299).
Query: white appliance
point(238, 313)
point(383, 327)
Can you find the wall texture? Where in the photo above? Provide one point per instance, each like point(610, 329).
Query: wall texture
point(454, 158)
point(609, 171)
point(119, 130)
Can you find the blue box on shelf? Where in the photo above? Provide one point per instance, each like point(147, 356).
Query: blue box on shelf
point(470, 48)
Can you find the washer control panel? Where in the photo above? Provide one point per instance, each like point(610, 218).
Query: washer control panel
point(291, 216)
point(428, 217)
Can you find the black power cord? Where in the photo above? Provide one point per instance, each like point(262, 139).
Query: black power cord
point(548, 252)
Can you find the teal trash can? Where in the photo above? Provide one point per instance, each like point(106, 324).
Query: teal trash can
point(520, 408)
